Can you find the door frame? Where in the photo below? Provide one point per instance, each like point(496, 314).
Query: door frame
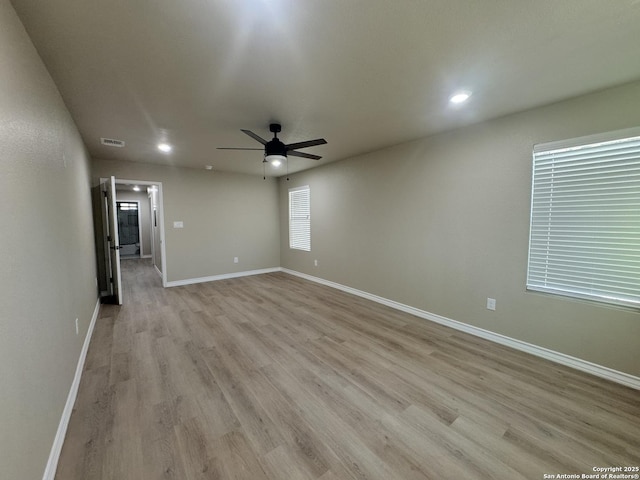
point(149, 183)
point(111, 239)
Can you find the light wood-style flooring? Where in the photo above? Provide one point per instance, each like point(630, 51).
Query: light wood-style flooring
point(274, 377)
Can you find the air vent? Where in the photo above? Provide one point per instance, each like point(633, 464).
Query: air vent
point(111, 142)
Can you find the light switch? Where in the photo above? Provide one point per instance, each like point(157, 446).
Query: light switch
point(491, 303)
point(178, 225)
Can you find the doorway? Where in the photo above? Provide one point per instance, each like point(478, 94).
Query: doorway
point(129, 229)
point(139, 227)
point(150, 199)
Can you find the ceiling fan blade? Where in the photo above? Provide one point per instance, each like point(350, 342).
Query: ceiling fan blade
point(238, 148)
point(291, 153)
point(255, 136)
point(308, 143)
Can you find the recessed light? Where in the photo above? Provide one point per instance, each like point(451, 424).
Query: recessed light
point(460, 97)
point(164, 147)
point(136, 188)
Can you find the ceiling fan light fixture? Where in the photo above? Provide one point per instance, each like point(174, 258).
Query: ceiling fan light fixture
point(275, 152)
point(275, 160)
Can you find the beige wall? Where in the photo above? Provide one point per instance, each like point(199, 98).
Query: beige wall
point(225, 215)
point(442, 223)
point(47, 278)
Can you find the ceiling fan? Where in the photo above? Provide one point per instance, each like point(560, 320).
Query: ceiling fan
point(276, 152)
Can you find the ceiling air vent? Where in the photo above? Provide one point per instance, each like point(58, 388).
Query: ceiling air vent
point(112, 142)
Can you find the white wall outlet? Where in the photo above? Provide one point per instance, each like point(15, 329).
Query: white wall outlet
point(178, 224)
point(77, 329)
point(315, 263)
point(235, 260)
point(491, 303)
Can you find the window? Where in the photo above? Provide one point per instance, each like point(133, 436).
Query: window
point(300, 218)
point(585, 218)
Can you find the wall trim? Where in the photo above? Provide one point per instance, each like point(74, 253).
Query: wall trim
point(56, 448)
point(556, 357)
point(224, 276)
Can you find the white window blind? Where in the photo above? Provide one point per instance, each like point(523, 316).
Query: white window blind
point(300, 218)
point(585, 219)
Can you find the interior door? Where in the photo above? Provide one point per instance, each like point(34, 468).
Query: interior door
point(111, 240)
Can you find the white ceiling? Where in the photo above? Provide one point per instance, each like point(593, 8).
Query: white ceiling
point(364, 74)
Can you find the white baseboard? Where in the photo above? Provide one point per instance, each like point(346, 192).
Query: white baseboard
point(158, 270)
point(224, 276)
point(557, 357)
point(146, 256)
point(54, 455)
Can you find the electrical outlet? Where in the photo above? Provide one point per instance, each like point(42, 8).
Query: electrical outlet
point(491, 303)
point(235, 260)
point(315, 263)
point(77, 329)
